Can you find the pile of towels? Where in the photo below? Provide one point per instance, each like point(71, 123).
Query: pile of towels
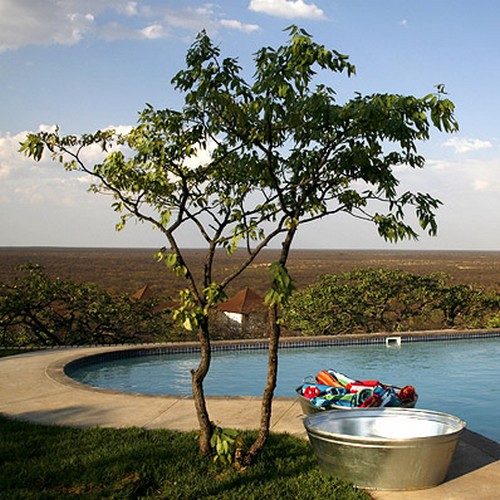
point(331, 388)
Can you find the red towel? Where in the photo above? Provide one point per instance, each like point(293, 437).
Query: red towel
point(362, 384)
point(372, 401)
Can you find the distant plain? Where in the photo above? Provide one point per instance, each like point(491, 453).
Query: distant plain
point(121, 270)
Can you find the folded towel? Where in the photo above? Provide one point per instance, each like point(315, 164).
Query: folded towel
point(343, 379)
point(326, 378)
point(362, 384)
point(388, 396)
point(373, 401)
point(341, 397)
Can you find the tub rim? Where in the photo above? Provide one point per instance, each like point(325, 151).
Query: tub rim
point(453, 433)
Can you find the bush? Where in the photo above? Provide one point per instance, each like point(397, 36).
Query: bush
point(494, 321)
point(38, 311)
point(374, 300)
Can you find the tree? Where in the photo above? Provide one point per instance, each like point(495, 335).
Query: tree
point(466, 306)
point(38, 310)
point(282, 152)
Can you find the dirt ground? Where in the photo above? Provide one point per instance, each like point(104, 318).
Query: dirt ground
point(128, 270)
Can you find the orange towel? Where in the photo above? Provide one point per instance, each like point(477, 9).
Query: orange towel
point(325, 378)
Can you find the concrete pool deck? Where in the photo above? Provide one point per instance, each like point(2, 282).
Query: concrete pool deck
point(34, 388)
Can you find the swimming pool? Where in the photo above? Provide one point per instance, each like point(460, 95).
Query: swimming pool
point(458, 377)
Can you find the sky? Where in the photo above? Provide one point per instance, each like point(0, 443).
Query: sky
point(86, 65)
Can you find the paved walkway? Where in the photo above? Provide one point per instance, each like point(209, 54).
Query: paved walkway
point(33, 387)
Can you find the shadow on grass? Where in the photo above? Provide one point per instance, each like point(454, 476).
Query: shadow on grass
point(474, 451)
point(40, 461)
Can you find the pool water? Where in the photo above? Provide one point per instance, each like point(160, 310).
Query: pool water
point(458, 377)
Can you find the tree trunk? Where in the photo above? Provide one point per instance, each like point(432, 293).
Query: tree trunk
point(267, 398)
point(272, 365)
point(197, 377)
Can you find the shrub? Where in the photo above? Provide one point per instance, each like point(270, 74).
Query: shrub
point(38, 310)
point(371, 300)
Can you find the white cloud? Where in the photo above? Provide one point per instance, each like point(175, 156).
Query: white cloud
point(115, 31)
point(464, 145)
point(67, 22)
point(26, 181)
point(191, 19)
point(45, 128)
point(205, 18)
point(154, 31)
point(482, 185)
point(131, 8)
point(465, 176)
point(31, 194)
point(201, 156)
point(239, 26)
point(78, 26)
point(93, 154)
point(24, 22)
point(10, 158)
point(487, 180)
point(120, 129)
point(288, 9)
point(205, 10)
point(439, 164)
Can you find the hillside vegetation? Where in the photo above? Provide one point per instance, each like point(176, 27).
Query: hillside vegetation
point(122, 270)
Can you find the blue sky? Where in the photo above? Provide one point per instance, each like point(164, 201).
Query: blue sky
point(87, 65)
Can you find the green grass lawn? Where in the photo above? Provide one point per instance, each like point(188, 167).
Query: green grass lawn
point(38, 461)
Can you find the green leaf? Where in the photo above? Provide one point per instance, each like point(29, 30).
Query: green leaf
point(282, 285)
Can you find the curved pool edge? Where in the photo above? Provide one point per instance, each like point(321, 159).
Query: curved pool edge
point(58, 371)
point(36, 389)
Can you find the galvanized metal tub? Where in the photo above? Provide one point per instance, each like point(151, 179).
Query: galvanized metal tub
point(385, 448)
